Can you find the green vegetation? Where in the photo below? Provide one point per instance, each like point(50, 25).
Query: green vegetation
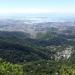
point(21, 55)
point(41, 67)
point(6, 68)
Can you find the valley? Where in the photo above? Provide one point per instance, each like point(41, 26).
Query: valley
point(43, 48)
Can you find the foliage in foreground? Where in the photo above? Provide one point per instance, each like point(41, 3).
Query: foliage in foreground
point(7, 68)
point(41, 67)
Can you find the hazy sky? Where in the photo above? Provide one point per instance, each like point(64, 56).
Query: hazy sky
point(37, 6)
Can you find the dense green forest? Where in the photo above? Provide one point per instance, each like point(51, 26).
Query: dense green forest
point(22, 55)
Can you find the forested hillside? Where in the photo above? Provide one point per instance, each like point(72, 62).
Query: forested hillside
point(22, 55)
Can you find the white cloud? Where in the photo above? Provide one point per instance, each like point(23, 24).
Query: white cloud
point(7, 11)
point(34, 11)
